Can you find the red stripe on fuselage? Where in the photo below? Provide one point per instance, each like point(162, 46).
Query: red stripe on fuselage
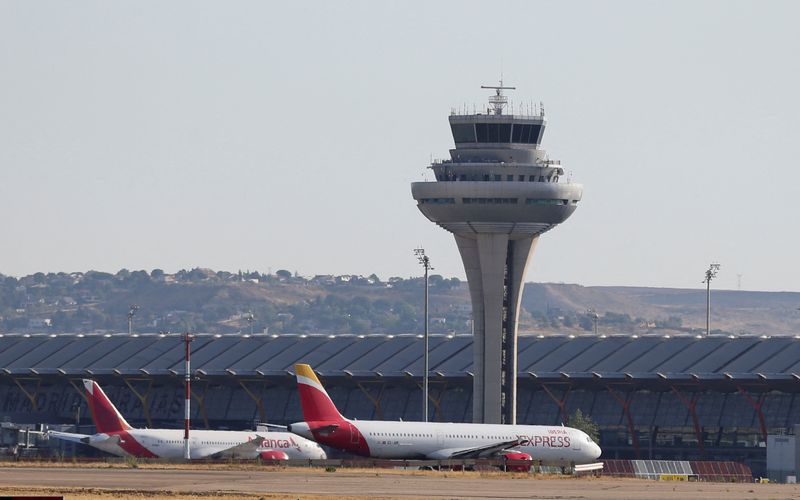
point(132, 446)
point(345, 436)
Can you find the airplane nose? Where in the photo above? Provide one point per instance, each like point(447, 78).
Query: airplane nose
point(596, 451)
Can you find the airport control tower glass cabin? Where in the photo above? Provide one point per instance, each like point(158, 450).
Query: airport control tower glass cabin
point(497, 193)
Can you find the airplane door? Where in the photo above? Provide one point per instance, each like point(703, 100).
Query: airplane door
point(576, 442)
point(353, 434)
point(439, 437)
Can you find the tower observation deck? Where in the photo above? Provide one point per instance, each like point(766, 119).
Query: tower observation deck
point(497, 193)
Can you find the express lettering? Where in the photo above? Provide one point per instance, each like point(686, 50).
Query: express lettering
point(545, 441)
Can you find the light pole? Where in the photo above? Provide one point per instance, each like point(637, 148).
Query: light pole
point(593, 314)
point(426, 264)
point(250, 319)
point(131, 312)
point(711, 273)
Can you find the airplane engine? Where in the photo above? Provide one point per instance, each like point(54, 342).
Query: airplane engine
point(518, 455)
point(273, 455)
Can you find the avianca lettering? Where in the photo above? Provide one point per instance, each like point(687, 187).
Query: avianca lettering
point(276, 443)
point(546, 441)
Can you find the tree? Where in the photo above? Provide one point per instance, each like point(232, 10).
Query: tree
point(671, 322)
point(584, 423)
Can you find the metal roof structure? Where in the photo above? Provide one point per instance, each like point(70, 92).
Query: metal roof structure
point(545, 359)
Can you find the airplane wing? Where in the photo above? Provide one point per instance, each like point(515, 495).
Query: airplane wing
point(476, 452)
point(248, 449)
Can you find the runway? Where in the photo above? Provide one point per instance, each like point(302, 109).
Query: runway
point(376, 483)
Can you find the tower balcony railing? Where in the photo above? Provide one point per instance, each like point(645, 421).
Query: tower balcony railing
point(447, 161)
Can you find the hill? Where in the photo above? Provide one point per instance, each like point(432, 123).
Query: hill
point(224, 302)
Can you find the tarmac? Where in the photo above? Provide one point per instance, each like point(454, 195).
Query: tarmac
point(375, 484)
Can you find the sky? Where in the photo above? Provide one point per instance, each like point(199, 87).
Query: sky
point(285, 135)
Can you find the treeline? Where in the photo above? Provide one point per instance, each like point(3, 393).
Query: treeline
point(224, 302)
point(202, 300)
point(556, 319)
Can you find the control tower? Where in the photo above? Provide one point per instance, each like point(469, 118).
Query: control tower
point(497, 193)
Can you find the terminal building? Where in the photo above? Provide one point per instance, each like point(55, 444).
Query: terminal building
point(678, 398)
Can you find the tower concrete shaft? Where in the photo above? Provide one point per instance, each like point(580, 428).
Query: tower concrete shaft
point(495, 268)
point(497, 193)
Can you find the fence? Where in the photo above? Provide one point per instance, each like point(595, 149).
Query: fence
point(679, 469)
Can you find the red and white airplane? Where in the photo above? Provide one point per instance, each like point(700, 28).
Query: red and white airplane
point(116, 436)
point(552, 445)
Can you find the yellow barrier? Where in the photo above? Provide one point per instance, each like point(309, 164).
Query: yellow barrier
point(673, 477)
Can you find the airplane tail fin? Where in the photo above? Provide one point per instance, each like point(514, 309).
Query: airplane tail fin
point(105, 415)
point(314, 400)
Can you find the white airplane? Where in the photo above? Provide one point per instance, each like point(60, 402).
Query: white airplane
point(116, 436)
point(552, 445)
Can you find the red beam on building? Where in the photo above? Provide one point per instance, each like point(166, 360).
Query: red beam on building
point(626, 409)
point(691, 405)
point(757, 405)
point(560, 402)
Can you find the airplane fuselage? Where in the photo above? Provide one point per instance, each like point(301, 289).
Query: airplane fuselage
point(169, 443)
point(551, 445)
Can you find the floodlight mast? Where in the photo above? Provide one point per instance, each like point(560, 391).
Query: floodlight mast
point(426, 264)
point(593, 314)
point(131, 312)
point(250, 319)
point(711, 273)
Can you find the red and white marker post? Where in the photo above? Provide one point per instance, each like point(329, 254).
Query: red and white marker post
point(187, 404)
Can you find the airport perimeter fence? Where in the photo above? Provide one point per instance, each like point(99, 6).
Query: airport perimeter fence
point(327, 464)
point(679, 470)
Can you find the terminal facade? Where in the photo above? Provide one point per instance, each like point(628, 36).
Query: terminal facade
point(681, 398)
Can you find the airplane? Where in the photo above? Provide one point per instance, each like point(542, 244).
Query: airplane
point(551, 445)
point(116, 436)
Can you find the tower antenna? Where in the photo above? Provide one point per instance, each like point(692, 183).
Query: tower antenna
point(498, 100)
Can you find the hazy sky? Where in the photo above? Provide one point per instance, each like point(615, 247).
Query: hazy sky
point(258, 135)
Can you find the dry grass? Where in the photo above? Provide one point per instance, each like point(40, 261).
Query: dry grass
point(278, 468)
point(102, 494)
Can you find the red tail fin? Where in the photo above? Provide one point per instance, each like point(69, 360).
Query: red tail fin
point(316, 404)
point(104, 414)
